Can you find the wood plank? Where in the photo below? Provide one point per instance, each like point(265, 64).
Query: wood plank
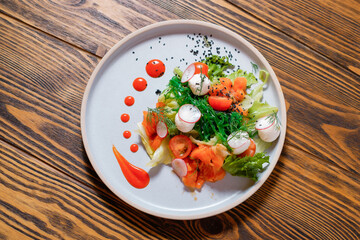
point(42, 116)
point(42, 82)
point(303, 198)
point(331, 27)
point(92, 25)
point(38, 202)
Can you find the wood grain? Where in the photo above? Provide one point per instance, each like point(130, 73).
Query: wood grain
point(48, 188)
point(303, 198)
point(301, 71)
point(92, 25)
point(42, 82)
point(331, 27)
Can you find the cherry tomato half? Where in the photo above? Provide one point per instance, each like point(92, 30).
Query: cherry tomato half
point(201, 68)
point(220, 103)
point(180, 146)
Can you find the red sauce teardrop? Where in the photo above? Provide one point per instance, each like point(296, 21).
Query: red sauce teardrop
point(139, 84)
point(134, 147)
point(127, 134)
point(129, 100)
point(136, 176)
point(155, 68)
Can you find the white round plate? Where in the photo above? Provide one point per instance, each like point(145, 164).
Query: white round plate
point(177, 43)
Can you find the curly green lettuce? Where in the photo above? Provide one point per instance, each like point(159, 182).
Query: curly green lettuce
point(250, 77)
point(246, 166)
point(217, 65)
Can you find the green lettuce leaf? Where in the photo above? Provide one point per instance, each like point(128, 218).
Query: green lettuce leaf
point(217, 65)
point(145, 139)
point(212, 142)
point(259, 110)
point(162, 155)
point(261, 145)
point(246, 166)
point(257, 93)
point(250, 77)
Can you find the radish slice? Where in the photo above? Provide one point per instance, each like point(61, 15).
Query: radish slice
point(179, 167)
point(188, 73)
point(247, 102)
point(264, 123)
point(189, 113)
point(199, 84)
point(239, 141)
point(161, 129)
point(183, 126)
point(268, 128)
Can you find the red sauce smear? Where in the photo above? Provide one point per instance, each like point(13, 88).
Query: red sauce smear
point(129, 100)
point(125, 117)
point(137, 177)
point(127, 134)
point(134, 147)
point(155, 68)
point(139, 84)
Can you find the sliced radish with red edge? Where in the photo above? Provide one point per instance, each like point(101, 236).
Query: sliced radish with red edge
point(264, 123)
point(189, 113)
point(188, 73)
point(237, 139)
point(179, 166)
point(161, 129)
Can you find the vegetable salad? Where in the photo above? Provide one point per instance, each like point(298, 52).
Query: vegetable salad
point(207, 123)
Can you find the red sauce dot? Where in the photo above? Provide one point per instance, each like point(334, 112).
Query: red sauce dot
point(125, 117)
point(127, 134)
point(155, 68)
point(139, 84)
point(129, 100)
point(134, 147)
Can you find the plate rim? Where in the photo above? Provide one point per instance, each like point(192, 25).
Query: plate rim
point(249, 46)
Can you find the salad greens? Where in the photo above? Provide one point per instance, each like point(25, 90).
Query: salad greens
point(217, 66)
point(212, 123)
point(215, 126)
point(245, 166)
point(250, 77)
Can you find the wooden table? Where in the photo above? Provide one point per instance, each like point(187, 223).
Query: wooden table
point(48, 188)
